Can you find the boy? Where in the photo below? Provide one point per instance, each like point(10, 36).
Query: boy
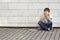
point(46, 20)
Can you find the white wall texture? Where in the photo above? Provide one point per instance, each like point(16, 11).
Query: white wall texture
point(26, 13)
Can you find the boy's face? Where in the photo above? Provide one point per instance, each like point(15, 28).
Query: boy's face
point(46, 13)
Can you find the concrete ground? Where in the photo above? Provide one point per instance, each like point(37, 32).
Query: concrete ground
point(28, 34)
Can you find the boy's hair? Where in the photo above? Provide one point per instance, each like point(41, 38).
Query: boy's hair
point(47, 9)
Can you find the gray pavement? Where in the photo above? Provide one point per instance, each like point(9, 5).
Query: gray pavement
point(28, 34)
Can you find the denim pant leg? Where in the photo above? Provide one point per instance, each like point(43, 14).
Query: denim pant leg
point(49, 24)
point(42, 25)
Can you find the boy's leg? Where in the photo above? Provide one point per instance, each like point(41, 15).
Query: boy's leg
point(42, 25)
point(49, 24)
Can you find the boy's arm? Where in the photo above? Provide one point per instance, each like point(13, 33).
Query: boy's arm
point(49, 18)
point(41, 18)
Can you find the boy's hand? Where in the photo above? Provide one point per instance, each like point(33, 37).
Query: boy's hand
point(46, 14)
point(49, 18)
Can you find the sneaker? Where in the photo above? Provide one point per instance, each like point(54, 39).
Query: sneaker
point(48, 29)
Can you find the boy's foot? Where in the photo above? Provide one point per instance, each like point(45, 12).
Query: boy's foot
point(48, 29)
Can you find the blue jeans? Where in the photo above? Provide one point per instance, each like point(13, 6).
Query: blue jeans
point(45, 25)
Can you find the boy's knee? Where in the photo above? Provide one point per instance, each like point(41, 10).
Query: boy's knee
point(39, 22)
point(50, 22)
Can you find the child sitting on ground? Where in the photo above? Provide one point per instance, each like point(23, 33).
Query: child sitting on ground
point(46, 20)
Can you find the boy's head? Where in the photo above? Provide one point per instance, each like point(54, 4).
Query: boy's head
point(46, 10)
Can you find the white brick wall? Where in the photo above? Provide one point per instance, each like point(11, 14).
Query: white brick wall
point(24, 13)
